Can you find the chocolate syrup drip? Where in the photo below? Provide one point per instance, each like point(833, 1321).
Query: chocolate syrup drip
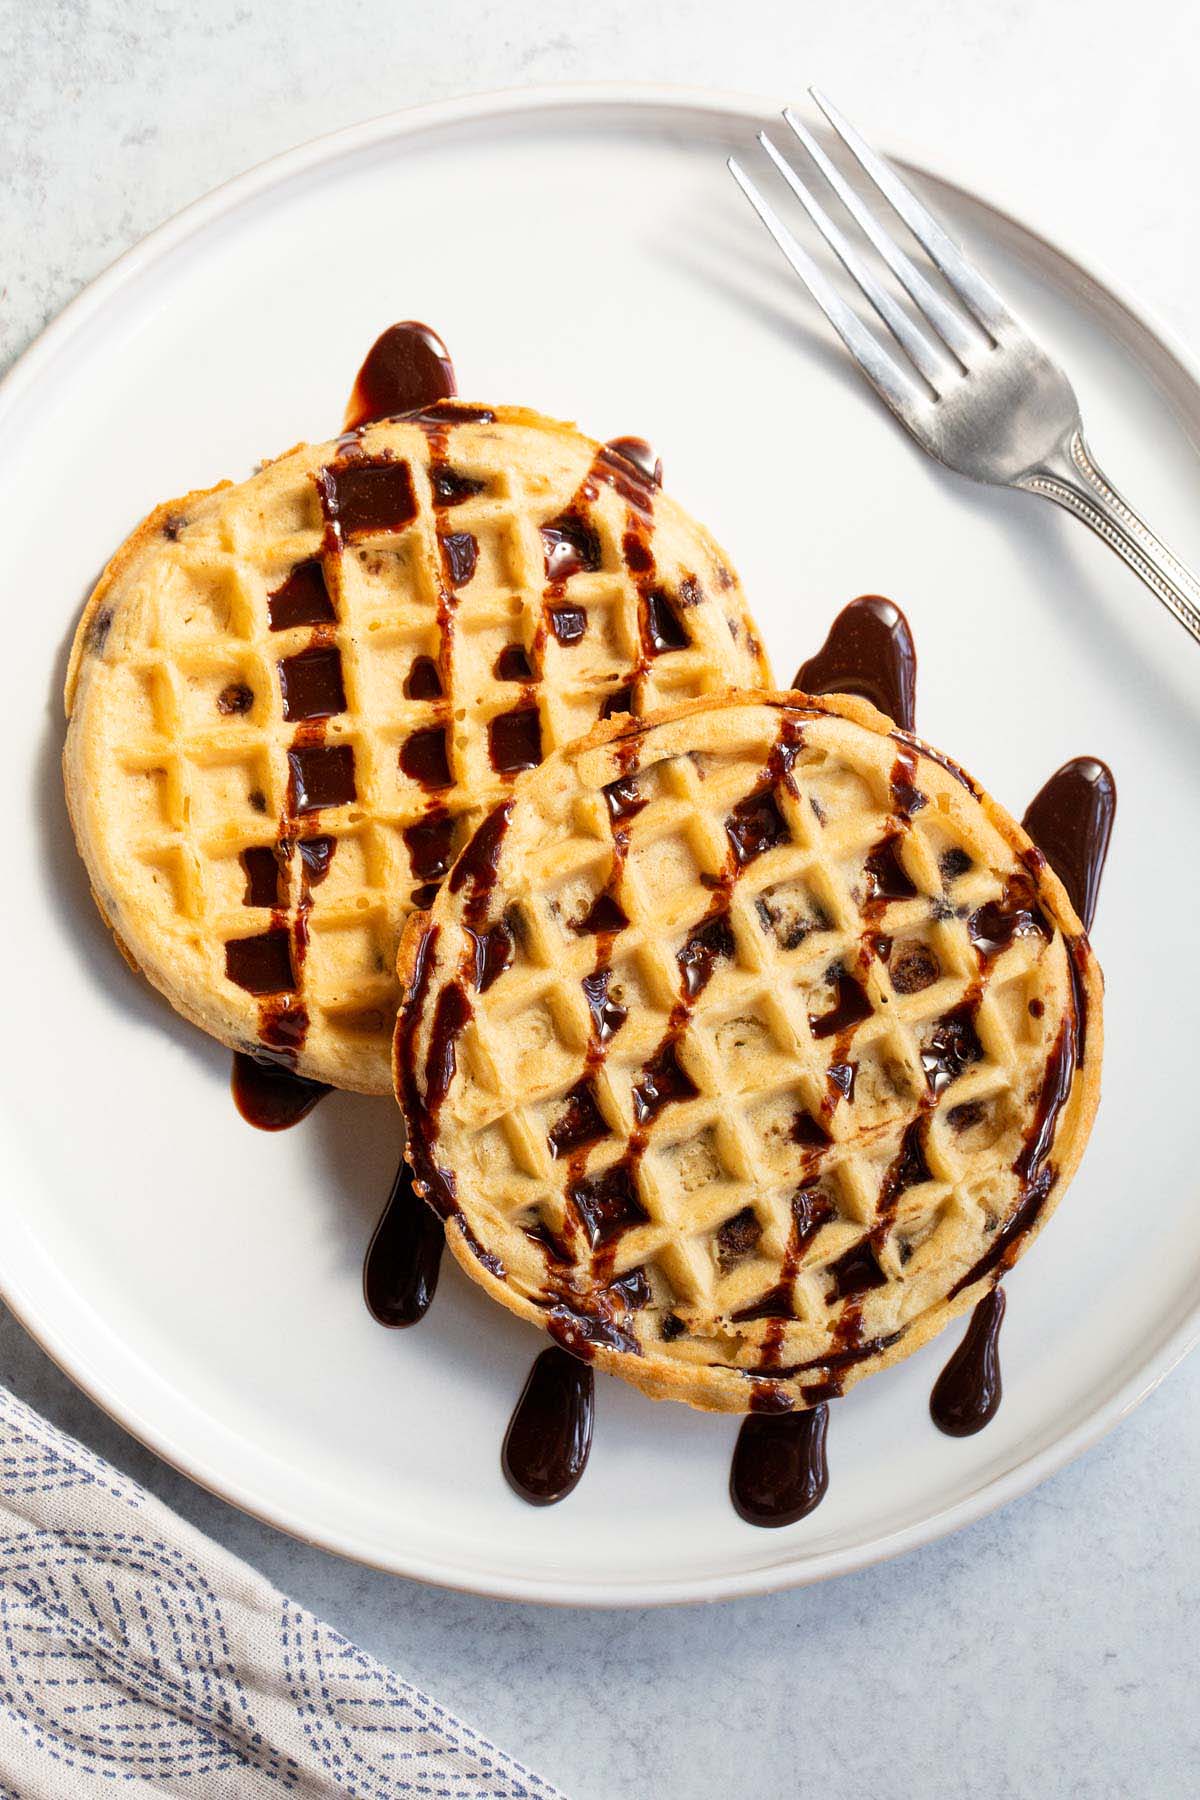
point(624, 799)
point(855, 1272)
point(316, 855)
point(1071, 820)
point(755, 826)
point(590, 1324)
point(967, 1393)
point(780, 1472)
point(756, 823)
point(1036, 1174)
point(840, 1076)
point(550, 1433)
point(869, 652)
point(272, 1097)
point(400, 1273)
point(842, 1359)
point(663, 1079)
point(808, 1131)
point(406, 369)
point(476, 871)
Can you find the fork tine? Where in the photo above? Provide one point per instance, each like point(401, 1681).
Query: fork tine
point(975, 293)
point(885, 375)
point(942, 317)
point(934, 365)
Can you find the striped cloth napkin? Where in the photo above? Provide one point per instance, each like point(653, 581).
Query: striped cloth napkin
point(138, 1658)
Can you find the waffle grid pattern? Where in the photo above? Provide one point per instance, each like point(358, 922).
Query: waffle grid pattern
point(727, 1202)
point(196, 754)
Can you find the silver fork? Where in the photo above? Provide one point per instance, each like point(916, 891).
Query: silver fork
point(983, 398)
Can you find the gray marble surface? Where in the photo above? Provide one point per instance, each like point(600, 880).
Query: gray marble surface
point(1051, 1650)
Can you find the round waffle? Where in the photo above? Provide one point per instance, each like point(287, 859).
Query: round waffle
point(745, 1046)
point(290, 700)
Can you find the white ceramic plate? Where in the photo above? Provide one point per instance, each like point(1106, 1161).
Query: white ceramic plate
point(583, 252)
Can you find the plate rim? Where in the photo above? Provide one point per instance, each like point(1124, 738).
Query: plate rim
point(37, 359)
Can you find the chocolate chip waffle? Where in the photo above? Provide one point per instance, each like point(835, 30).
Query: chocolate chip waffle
point(290, 700)
point(745, 1046)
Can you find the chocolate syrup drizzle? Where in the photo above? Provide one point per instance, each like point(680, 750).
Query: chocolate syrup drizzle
point(550, 1433)
point(967, 1393)
point(1070, 819)
point(779, 1470)
point(407, 370)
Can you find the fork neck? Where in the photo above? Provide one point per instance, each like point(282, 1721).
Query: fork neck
point(1071, 477)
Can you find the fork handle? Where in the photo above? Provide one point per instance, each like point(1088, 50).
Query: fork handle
point(1071, 478)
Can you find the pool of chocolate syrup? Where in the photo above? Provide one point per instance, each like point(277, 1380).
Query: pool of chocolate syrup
point(407, 368)
point(780, 1471)
point(869, 652)
point(271, 1096)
